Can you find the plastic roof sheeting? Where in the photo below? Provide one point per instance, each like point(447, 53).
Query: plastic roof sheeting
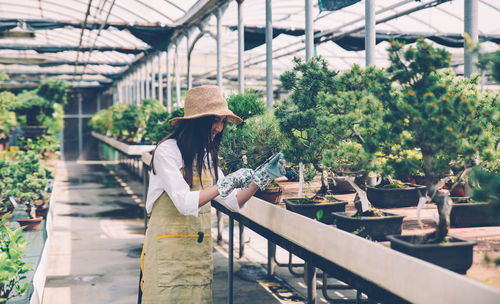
point(120, 32)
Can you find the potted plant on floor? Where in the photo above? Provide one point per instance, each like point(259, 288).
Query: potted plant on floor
point(32, 179)
point(7, 118)
point(443, 117)
point(13, 268)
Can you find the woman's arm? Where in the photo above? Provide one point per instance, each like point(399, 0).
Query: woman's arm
point(242, 196)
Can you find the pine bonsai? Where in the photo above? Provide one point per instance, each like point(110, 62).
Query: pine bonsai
point(441, 116)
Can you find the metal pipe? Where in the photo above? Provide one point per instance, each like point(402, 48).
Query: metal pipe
point(188, 74)
point(310, 277)
point(309, 30)
point(369, 32)
point(177, 76)
point(153, 77)
point(160, 77)
point(219, 48)
point(230, 261)
point(269, 55)
point(471, 28)
point(169, 85)
point(241, 48)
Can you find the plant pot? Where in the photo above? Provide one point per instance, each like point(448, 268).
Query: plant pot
point(455, 254)
point(271, 195)
point(30, 223)
point(375, 228)
point(394, 197)
point(42, 210)
point(309, 208)
point(34, 131)
point(472, 215)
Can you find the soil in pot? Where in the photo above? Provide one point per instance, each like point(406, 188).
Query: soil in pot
point(30, 223)
point(271, 195)
point(312, 208)
point(374, 226)
point(454, 254)
point(386, 197)
point(472, 215)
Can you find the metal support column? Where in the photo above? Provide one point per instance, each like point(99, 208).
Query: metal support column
point(177, 76)
point(370, 32)
point(188, 74)
point(269, 55)
point(160, 77)
point(80, 125)
point(271, 254)
point(153, 77)
point(143, 83)
point(137, 86)
point(471, 28)
point(218, 15)
point(310, 278)
point(230, 261)
point(169, 85)
point(309, 30)
point(147, 74)
point(241, 48)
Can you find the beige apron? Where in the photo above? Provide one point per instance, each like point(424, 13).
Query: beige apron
point(177, 265)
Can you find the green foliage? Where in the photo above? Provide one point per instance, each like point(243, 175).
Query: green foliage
point(246, 105)
point(101, 121)
point(298, 115)
point(486, 188)
point(43, 146)
point(54, 90)
point(38, 105)
point(157, 127)
point(441, 115)
point(7, 116)
point(12, 267)
point(251, 143)
point(7, 184)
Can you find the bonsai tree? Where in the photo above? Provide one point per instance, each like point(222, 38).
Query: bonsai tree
point(299, 114)
point(37, 106)
point(442, 116)
point(7, 185)
point(352, 113)
point(101, 121)
point(238, 140)
point(7, 116)
point(12, 266)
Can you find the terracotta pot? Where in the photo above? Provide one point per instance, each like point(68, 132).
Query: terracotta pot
point(271, 195)
point(29, 223)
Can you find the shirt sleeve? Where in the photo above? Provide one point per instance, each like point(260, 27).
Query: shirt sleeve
point(230, 201)
point(165, 164)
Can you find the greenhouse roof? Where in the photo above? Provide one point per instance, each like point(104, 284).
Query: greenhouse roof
point(99, 40)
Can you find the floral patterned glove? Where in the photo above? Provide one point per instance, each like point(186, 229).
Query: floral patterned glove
point(238, 179)
point(267, 172)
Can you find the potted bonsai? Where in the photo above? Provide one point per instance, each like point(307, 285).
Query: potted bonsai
point(443, 117)
point(7, 117)
point(13, 268)
point(299, 117)
point(253, 141)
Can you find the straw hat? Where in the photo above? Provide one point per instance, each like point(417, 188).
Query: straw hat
point(205, 101)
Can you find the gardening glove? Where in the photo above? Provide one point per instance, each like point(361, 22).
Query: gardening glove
point(268, 171)
point(238, 179)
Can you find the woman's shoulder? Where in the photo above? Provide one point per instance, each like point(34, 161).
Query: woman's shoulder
point(168, 146)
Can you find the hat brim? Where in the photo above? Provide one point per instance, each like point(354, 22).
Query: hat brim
point(230, 116)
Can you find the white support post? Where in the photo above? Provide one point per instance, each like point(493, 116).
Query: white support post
point(241, 48)
point(471, 28)
point(269, 55)
point(177, 76)
point(169, 84)
point(309, 30)
point(370, 32)
point(160, 77)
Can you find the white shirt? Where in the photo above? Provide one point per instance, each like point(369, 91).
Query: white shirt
point(168, 163)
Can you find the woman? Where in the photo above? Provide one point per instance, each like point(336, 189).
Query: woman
point(177, 256)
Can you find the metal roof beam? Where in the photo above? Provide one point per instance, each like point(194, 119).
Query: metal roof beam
point(48, 63)
point(63, 48)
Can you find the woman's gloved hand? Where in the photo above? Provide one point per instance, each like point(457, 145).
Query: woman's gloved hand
point(268, 171)
point(238, 179)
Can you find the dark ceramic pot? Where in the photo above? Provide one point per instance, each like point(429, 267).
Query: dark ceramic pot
point(310, 208)
point(394, 197)
point(375, 228)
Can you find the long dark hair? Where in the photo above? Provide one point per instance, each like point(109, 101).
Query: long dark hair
point(194, 139)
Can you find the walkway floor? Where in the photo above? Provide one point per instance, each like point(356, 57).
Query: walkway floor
point(98, 232)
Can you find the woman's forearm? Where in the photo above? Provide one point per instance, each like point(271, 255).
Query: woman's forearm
point(242, 196)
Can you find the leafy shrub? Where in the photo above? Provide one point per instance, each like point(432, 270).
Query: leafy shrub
point(12, 267)
point(247, 104)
